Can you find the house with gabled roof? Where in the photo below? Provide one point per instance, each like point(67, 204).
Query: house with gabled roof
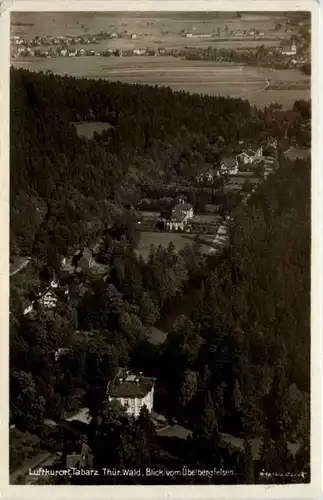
point(49, 297)
point(250, 156)
point(132, 391)
point(181, 213)
point(229, 165)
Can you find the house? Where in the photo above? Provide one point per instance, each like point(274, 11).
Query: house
point(229, 165)
point(182, 212)
point(134, 36)
point(132, 391)
point(249, 156)
point(207, 177)
point(139, 52)
point(81, 460)
point(61, 351)
point(48, 299)
point(289, 50)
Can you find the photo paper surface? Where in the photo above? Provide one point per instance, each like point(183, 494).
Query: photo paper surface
point(161, 283)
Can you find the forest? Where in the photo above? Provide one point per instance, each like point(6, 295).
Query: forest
point(237, 355)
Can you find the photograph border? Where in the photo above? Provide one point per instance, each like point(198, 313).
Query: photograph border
point(312, 490)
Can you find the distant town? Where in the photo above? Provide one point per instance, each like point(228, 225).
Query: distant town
point(292, 48)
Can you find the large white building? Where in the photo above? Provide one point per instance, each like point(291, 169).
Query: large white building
point(132, 391)
point(250, 156)
point(182, 212)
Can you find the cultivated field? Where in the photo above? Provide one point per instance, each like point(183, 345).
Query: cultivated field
point(192, 76)
point(164, 29)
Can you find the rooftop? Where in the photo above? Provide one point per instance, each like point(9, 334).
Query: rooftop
point(250, 152)
point(179, 210)
point(127, 385)
point(229, 161)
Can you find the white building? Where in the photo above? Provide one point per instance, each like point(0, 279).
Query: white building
point(249, 156)
point(182, 212)
point(133, 392)
point(48, 299)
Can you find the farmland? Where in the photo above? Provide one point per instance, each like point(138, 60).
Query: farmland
point(227, 30)
point(192, 76)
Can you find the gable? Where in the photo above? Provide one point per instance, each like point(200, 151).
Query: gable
point(49, 294)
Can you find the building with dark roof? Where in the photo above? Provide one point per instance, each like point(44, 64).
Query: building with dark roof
point(49, 297)
point(181, 213)
point(229, 165)
point(132, 391)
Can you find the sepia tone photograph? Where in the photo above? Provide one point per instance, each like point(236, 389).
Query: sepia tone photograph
point(160, 248)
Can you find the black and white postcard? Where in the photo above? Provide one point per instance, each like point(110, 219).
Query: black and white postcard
point(164, 317)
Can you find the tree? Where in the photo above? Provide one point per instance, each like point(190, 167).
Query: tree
point(149, 310)
point(249, 473)
point(188, 388)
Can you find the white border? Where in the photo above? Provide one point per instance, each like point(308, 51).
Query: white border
point(312, 490)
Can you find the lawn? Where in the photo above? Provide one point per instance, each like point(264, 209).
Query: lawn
point(87, 129)
point(156, 238)
point(180, 240)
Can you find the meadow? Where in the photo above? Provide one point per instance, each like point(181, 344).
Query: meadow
point(179, 240)
point(87, 129)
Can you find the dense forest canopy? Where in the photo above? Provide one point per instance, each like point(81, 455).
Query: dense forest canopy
point(237, 360)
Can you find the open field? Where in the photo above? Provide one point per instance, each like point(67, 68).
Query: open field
point(191, 76)
point(297, 153)
point(152, 24)
point(180, 240)
point(87, 129)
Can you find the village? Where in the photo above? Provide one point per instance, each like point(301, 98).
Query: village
point(285, 51)
point(235, 176)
